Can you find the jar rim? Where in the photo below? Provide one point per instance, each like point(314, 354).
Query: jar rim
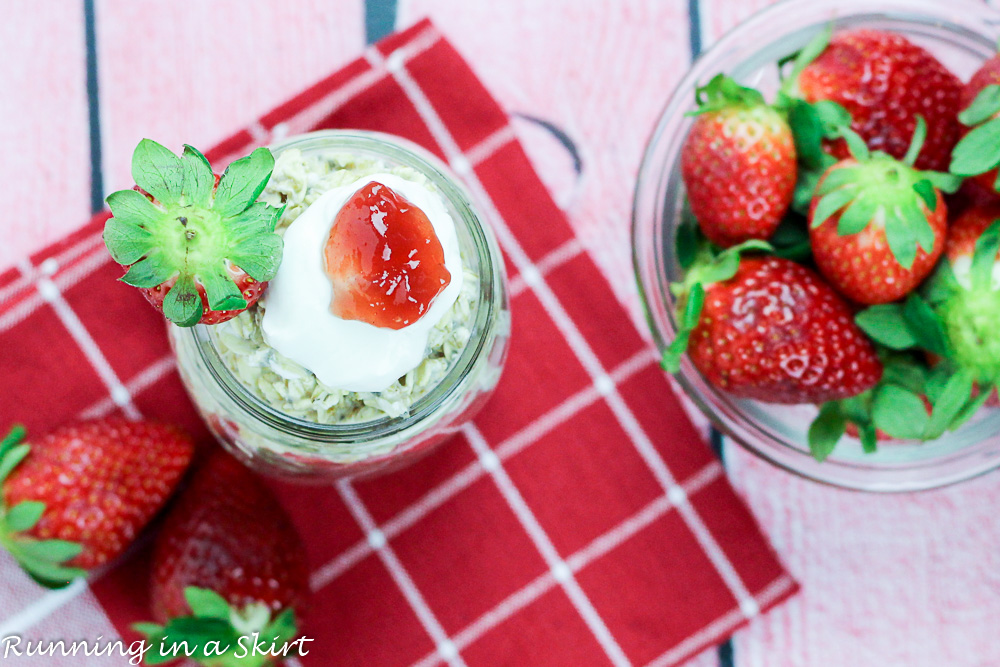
point(403, 152)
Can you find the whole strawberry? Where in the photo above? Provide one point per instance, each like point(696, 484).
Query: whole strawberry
point(877, 225)
point(227, 563)
point(886, 82)
point(978, 153)
point(775, 332)
point(738, 164)
point(76, 498)
point(201, 249)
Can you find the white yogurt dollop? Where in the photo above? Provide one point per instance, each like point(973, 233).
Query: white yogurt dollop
point(349, 354)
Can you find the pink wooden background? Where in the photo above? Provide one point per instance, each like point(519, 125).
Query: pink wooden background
point(887, 580)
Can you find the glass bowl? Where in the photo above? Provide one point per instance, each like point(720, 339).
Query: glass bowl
point(962, 34)
point(276, 443)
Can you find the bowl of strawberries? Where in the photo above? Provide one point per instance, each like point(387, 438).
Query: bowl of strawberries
point(816, 239)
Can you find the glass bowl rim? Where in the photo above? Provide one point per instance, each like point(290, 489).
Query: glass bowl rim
point(655, 174)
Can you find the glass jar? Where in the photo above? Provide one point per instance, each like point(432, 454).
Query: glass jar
point(276, 443)
point(962, 34)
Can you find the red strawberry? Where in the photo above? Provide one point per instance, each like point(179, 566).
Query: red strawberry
point(76, 498)
point(384, 259)
point(877, 225)
point(229, 556)
point(978, 153)
point(777, 333)
point(738, 164)
point(200, 247)
point(886, 82)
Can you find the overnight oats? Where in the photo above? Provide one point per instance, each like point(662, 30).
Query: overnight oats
point(381, 330)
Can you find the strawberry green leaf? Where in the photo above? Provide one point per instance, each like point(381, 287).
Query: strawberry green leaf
point(146, 628)
point(834, 117)
point(133, 207)
point(194, 637)
point(198, 155)
point(857, 410)
point(53, 551)
point(723, 92)
point(916, 220)
point(198, 177)
point(46, 573)
point(693, 307)
point(15, 436)
point(984, 257)
point(831, 203)
point(979, 151)
point(906, 371)
point(242, 183)
point(925, 189)
point(258, 219)
point(158, 171)
point(13, 455)
point(858, 215)
point(807, 132)
point(182, 305)
point(869, 438)
point(972, 407)
point(687, 243)
point(942, 285)
point(283, 628)
point(925, 325)
point(24, 515)
point(840, 178)
point(949, 183)
point(900, 238)
point(917, 142)
point(899, 413)
point(937, 380)
point(151, 271)
point(221, 291)
point(983, 107)
point(126, 241)
point(806, 183)
point(948, 405)
point(671, 360)
point(214, 638)
point(886, 325)
point(826, 430)
point(259, 257)
point(206, 603)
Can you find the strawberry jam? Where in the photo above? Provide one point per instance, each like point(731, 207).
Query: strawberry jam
point(384, 260)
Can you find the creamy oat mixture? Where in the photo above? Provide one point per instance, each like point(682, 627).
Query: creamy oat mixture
point(297, 181)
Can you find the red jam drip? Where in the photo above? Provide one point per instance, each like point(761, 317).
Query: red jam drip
point(384, 260)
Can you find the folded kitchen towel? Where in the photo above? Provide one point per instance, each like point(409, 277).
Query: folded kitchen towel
point(581, 520)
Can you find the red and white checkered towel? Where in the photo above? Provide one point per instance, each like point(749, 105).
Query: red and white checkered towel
point(581, 520)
